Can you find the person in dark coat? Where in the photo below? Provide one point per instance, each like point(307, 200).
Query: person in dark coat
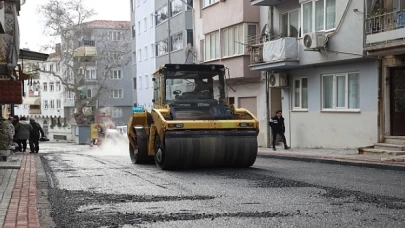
point(35, 134)
point(22, 132)
point(278, 128)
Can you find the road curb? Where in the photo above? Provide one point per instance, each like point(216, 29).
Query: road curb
point(335, 161)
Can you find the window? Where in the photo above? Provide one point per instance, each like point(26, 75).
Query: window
point(116, 112)
point(232, 41)
point(318, 15)
point(139, 27)
point(145, 24)
point(139, 55)
point(152, 48)
point(58, 86)
point(162, 47)
point(133, 31)
point(290, 24)
point(134, 83)
point(208, 2)
point(140, 82)
point(91, 74)
point(51, 87)
point(189, 3)
point(116, 93)
point(132, 6)
point(151, 20)
point(212, 46)
point(161, 15)
point(133, 58)
point(177, 41)
point(51, 67)
point(111, 55)
point(89, 93)
point(175, 7)
point(341, 91)
point(146, 52)
point(138, 2)
point(45, 86)
point(301, 93)
point(114, 36)
point(58, 104)
point(116, 74)
point(190, 37)
point(69, 95)
point(52, 104)
point(45, 104)
point(146, 81)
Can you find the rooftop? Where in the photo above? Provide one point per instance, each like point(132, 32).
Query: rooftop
point(108, 23)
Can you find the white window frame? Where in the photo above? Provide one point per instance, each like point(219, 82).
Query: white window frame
point(92, 74)
point(174, 38)
point(115, 74)
point(45, 85)
point(288, 21)
point(145, 24)
point(119, 91)
point(52, 104)
point(152, 50)
point(151, 19)
point(139, 28)
point(140, 82)
point(313, 17)
point(301, 97)
point(164, 8)
point(45, 104)
point(206, 3)
point(146, 81)
point(334, 93)
point(58, 104)
point(139, 55)
point(58, 86)
point(116, 112)
point(161, 49)
point(115, 35)
point(207, 42)
point(146, 53)
point(51, 87)
point(171, 7)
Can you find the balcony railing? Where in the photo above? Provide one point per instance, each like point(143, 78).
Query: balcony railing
point(34, 93)
point(91, 43)
point(385, 22)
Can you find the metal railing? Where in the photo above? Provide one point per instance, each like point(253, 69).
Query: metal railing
point(385, 22)
point(34, 111)
point(91, 43)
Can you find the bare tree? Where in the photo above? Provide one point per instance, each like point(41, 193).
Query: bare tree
point(84, 43)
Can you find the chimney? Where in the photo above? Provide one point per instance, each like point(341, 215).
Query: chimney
point(58, 49)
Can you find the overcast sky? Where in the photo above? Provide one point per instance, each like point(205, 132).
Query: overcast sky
point(31, 24)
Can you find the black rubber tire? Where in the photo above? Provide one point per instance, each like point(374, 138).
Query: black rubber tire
point(140, 154)
point(160, 156)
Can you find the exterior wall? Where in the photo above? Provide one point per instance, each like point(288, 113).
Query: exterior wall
point(145, 66)
point(133, 53)
point(314, 128)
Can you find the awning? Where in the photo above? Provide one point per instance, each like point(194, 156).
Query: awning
point(32, 55)
point(32, 101)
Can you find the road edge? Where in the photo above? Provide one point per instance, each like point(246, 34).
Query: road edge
point(334, 161)
point(43, 204)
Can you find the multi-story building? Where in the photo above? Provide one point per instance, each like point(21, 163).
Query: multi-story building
point(145, 50)
point(222, 31)
point(102, 45)
point(44, 97)
point(385, 39)
point(311, 52)
point(133, 54)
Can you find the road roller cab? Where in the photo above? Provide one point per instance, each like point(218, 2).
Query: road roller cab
point(192, 124)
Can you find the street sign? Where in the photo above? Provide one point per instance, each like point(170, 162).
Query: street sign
point(137, 109)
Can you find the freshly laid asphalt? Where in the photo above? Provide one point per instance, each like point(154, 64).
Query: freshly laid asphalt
point(102, 188)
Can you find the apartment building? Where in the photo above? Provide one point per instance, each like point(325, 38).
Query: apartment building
point(311, 52)
point(44, 97)
point(133, 54)
point(104, 45)
point(385, 33)
point(222, 31)
point(145, 50)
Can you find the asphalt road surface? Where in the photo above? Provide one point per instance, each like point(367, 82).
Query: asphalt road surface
point(102, 188)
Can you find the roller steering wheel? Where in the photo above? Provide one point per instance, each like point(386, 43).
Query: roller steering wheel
point(176, 92)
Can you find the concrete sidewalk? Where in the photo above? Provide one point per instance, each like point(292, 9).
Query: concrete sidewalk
point(348, 157)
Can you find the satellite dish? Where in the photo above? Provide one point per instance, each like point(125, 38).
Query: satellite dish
point(272, 79)
point(307, 41)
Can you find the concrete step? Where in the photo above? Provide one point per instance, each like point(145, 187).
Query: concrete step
point(381, 152)
point(399, 140)
point(389, 147)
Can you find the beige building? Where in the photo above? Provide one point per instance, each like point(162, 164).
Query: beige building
point(222, 31)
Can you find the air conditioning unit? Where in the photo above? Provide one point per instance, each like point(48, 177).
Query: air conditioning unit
point(314, 40)
point(278, 79)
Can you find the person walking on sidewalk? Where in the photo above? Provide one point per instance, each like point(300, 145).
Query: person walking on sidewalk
point(278, 128)
point(35, 134)
point(22, 132)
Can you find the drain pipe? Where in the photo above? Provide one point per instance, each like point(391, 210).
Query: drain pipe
point(267, 109)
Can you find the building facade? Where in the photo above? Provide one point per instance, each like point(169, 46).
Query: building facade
point(222, 31)
point(133, 54)
point(145, 50)
point(312, 54)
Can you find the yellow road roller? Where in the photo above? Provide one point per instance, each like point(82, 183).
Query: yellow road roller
point(192, 123)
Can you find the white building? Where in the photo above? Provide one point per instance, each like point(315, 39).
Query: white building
point(44, 101)
point(145, 51)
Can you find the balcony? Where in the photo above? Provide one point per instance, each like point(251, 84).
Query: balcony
point(32, 101)
point(385, 33)
point(279, 54)
point(87, 48)
point(34, 109)
point(267, 2)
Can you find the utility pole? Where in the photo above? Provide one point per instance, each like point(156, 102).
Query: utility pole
point(168, 30)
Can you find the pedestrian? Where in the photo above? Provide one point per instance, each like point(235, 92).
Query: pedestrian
point(22, 132)
point(278, 128)
point(35, 134)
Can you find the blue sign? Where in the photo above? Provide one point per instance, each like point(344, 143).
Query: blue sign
point(137, 109)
